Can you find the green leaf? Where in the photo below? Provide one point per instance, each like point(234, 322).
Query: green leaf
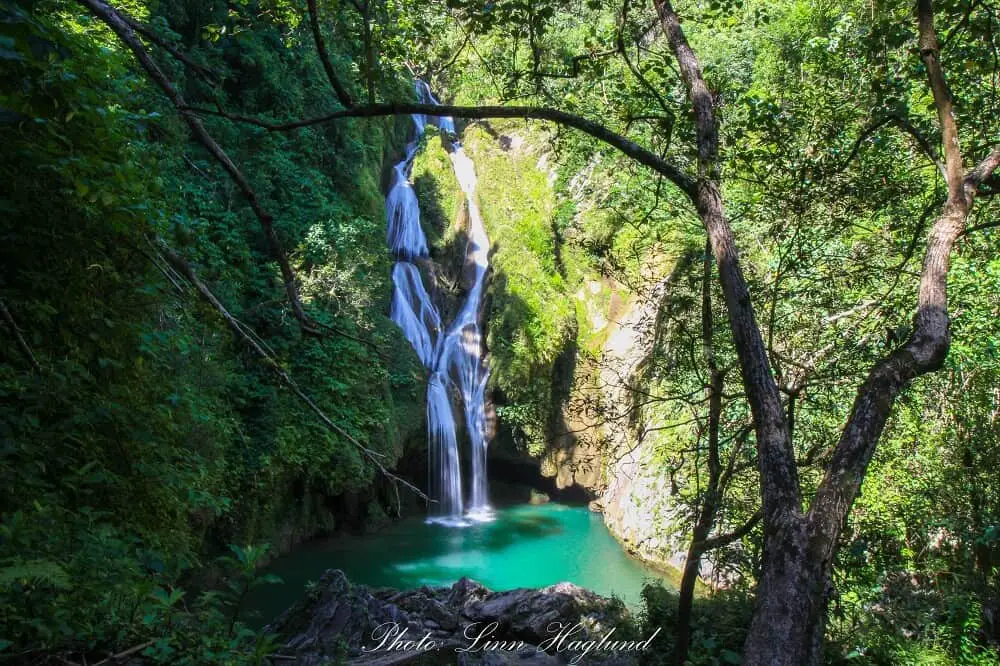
point(731, 657)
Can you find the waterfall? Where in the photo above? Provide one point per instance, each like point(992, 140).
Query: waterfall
point(453, 355)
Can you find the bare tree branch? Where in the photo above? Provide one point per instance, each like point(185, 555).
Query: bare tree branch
point(982, 172)
point(331, 75)
point(922, 141)
point(246, 335)
point(16, 332)
point(930, 54)
point(620, 39)
point(364, 9)
point(206, 74)
point(711, 499)
point(981, 227)
point(962, 23)
point(451, 61)
point(906, 126)
point(631, 149)
point(720, 540)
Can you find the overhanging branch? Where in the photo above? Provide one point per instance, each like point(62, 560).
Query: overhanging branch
point(206, 74)
point(600, 132)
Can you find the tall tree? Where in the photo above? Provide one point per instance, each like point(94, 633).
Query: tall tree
point(800, 541)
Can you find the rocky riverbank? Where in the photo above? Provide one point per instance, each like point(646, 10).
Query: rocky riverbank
point(339, 622)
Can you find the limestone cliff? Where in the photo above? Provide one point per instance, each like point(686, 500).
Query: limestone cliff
point(569, 344)
point(637, 501)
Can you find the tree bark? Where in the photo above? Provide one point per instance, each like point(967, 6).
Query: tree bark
point(685, 600)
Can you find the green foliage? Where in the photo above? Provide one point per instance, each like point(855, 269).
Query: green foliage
point(137, 436)
point(830, 218)
point(719, 624)
point(442, 202)
point(136, 439)
point(532, 318)
point(208, 630)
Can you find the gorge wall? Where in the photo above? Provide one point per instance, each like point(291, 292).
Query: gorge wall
point(568, 344)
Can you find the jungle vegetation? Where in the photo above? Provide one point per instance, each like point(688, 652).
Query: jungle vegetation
point(195, 292)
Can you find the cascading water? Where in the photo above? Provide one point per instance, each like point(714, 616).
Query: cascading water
point(453, 356)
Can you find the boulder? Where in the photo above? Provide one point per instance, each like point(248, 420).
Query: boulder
point(338, 622)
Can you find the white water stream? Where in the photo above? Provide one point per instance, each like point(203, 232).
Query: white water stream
point(453, 355)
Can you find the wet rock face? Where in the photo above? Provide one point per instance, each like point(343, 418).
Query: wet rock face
point(606, 420)
point(338, 622)
point(639, 508)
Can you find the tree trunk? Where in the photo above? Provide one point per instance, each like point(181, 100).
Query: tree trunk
point(789, 617)
point(338, 88)
point(685, 601)
point(713, 491)
point(369, 40)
